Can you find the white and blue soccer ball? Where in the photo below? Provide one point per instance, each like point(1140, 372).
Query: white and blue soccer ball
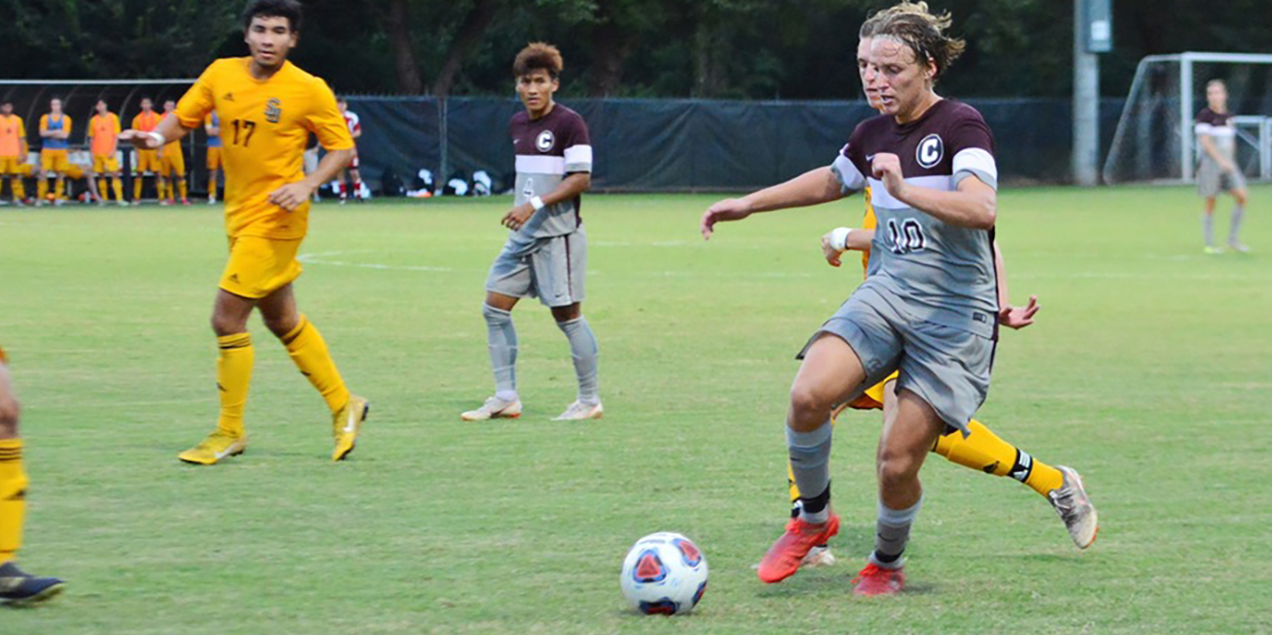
point(664, 574)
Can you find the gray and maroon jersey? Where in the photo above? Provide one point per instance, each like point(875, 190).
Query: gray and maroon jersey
point(547, 149)
point(1218, 126)
point(931, 270)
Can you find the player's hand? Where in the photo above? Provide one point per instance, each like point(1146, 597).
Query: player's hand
point(291, 196)
point(887, 167)
point(1014, 317)
point(832, 255)
point(726, 210)
point(518, 216)
point(140, 139)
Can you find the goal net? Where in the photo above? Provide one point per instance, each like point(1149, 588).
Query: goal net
point(1154, 140)
point(30, 98)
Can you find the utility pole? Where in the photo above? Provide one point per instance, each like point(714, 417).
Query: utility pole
point(1092, 34)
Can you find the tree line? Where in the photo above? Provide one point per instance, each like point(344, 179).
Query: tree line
point(744, 49)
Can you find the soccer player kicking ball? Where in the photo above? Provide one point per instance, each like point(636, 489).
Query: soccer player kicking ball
point(981, 450)
point(546, 252)
point(17, 587)
point(928, 309)
point(268, 107)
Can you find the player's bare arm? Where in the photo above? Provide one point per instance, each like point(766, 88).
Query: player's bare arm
point(292, 195)
point(572, 186)
point(1012, 317)
point(1208, 146)
point(168, 131)
point(974, 204)
point(854, 240)
point(810, 188)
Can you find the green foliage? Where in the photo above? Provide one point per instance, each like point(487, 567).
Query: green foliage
point(797, 49)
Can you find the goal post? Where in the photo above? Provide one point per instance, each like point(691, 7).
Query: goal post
point(1154, 140)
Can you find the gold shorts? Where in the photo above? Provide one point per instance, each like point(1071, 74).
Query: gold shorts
point(105, 164)
point(172, 163)
point(54, 161)
point(873, 397)
point(259, 266)
point(147, 161)
point(11, 165)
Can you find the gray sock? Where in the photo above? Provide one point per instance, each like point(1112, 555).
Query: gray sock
point(810, 463)
point(1238, 213)
point(892, 531)
point(584, 350)
point(1208, 228)
point(501, 336)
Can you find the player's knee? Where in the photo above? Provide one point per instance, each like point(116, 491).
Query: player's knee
point(9, 411)
point(809, 402)
point(280, 325)
point(894, 467)
point(223, 325)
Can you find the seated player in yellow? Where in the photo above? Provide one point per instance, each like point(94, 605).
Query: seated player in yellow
point(55, 130)
point(147, 160)
point(103, 135)
point(269, 107)
point(13, 152)
point(212, 125)
point(17, 587)
point(172, 172)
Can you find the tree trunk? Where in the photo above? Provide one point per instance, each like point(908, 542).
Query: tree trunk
point(470, 33)
point(396, 25)
point(610, 48)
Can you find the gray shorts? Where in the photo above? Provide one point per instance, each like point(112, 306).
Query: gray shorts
point(947, 367)
point(551, 269)
point(1211, 180)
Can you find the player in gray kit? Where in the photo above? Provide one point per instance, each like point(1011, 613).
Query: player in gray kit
point(927, 308)
point(1217, 171)
point(546, 251)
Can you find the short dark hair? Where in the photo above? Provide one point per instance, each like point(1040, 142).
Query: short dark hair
point(290, 9)
point(538, 55)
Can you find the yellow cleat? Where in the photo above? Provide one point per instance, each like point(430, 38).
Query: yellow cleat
point(346, 424)
point(217, 446)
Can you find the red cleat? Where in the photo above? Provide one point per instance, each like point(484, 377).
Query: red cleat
point(875, 580)
point(784, 557)
point(186, 202)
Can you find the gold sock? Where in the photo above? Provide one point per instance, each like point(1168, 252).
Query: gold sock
point(19, 189)
point(985, 451)
point(117, 184)
point(309, 351)
point(233, 374)
point(790, 484)
point(61, 189)
point(13, 485)
point(181, 187)
point(137, 181)
point(102, 189)
point(42, 189)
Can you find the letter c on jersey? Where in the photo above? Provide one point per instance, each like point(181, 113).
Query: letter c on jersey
point(930, 151)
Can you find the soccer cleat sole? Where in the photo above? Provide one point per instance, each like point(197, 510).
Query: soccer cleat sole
point(497, 415)
point(38, 598)
point(213, 461)
point(366, 410)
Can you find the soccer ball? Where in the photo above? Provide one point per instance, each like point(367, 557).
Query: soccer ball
point(664, 574)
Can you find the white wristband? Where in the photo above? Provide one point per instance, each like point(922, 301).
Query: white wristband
point(158, 137)
point(839, 238)
point(536, 203)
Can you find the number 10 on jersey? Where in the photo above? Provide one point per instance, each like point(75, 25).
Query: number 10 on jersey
point(906, 236)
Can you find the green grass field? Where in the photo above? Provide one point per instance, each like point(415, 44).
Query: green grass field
point(1149, 370)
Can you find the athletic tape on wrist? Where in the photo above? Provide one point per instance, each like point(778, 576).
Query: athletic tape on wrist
point(536, 203)
point(839, 238)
